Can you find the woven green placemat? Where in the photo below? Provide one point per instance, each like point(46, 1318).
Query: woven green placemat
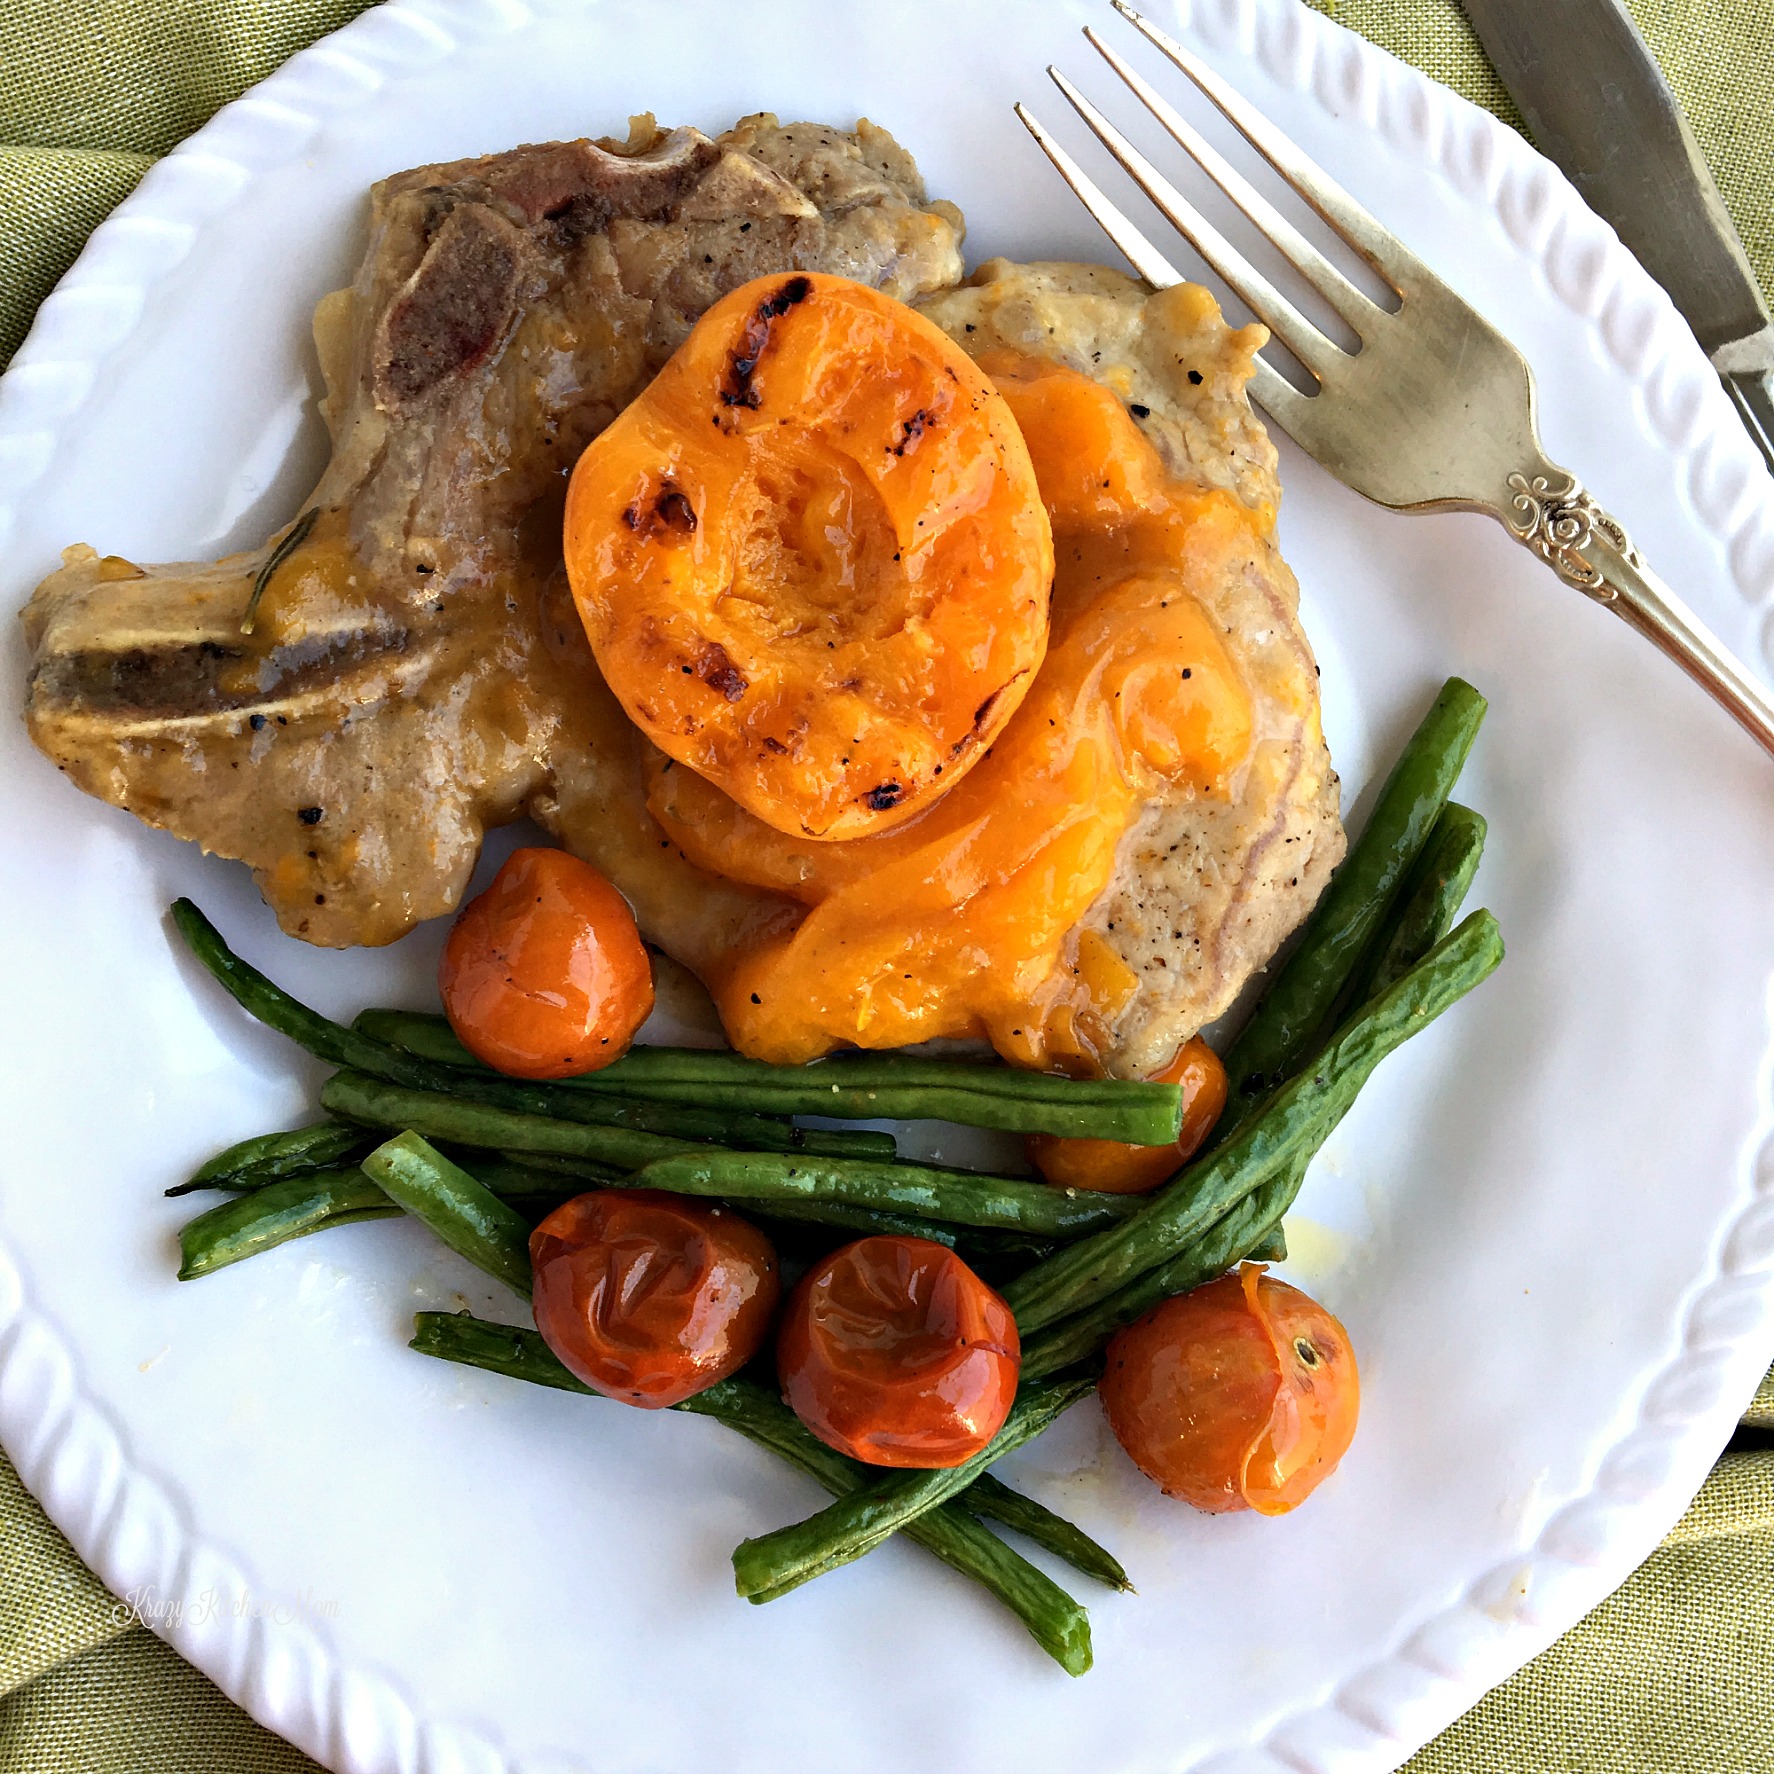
point(1717, 54)
point(1673, 1675)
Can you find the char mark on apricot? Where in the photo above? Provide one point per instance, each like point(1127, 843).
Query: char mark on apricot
point(671, 511)
point(884, 795)
point(717, 670)
point(739, 391)
point(913, 429)
point(981, 716)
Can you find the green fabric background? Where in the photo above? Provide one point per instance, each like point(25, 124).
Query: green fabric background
point(1674, 1674)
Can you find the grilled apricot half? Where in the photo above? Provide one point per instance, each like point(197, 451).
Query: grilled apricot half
point(811, 557)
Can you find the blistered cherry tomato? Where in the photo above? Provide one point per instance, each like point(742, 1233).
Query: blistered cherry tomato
point(894, 1352)
point(544, 974)
point(1238, 1395)
point(1121, 1169)
point(650, 1298)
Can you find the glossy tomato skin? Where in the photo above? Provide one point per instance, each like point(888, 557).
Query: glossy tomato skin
point(1241, 1394)
point(649, 1298)
point(1117, 1168)
point(544, 975)
point(894, 1352)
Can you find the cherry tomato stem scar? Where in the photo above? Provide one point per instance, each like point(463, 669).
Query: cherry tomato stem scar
point(1241, 1394)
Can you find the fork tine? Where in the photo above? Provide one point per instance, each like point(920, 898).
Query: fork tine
point(1268, 387)
point(1379, 246)
point(1278, 397)
point(1311, 264)
point(1269, 305)
point(1139, 252)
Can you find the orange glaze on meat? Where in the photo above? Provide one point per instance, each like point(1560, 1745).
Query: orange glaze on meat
point(960, 921)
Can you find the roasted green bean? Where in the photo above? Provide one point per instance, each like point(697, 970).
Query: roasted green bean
point(1057, 1623)
point(523, 1355)
point(545, 1181)
point(761, 1133)
point(1428, 903)
point(771, 1565)
point(959, 1197)
point(1235, 1235)
point(431, 1038)
point(1305, 991)
point(276, 1009)
point(978, 1245)
point(861, 1220)
point(356, 1096)
point(268, 1157)
point(904, 1087)
point(584, 1170)
point(273, 1215)
point(463, 1212)
point(993, 1500)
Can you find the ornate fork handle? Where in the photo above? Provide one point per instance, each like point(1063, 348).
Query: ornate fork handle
point(1554, 515)
point(1370, 423)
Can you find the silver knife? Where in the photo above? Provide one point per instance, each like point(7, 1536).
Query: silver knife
point(1598, 106)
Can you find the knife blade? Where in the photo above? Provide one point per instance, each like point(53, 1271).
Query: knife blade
point(1599, 107)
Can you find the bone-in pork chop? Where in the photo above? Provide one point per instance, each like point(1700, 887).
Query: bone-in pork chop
point(414, 671)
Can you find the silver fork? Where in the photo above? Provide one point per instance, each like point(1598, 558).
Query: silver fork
point(1395, 420)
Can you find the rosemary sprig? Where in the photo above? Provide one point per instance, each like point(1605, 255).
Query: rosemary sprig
point(298, 534)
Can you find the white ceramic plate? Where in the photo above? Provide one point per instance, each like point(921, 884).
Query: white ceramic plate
point(1542, 1226)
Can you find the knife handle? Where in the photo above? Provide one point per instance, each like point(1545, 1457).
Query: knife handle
point(1566, 527)
point(1752, 393)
